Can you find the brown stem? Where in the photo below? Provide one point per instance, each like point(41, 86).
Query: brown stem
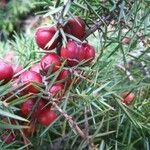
point(69, 119)
point(76, 127)
point(89, 141)
point(95, 27)
point(107, 17)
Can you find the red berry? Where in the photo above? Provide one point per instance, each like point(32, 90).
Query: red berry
point(57, 90)
point(27, 106)
point(75, 27)
point(8, 137)
point(6, 72)
point(28, 77)
point(43, 35)
point(128, 97)
point(70, 53)
point(88, 52)
point(50, 59)
point(66, 76)
point(46, 117)
point(40, 107)
point(36, 67)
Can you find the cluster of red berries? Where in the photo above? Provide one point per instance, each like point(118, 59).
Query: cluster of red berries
point(40, 109)
point(73, 52)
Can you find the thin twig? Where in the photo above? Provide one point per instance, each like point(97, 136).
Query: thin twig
point(62, 13)
point(127, 72)
point(69, 119)
point(76, 127)
point(89, 141)
point(95, 27)
point(100, 22)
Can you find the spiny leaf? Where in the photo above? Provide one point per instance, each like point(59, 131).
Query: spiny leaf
point(8, 114)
